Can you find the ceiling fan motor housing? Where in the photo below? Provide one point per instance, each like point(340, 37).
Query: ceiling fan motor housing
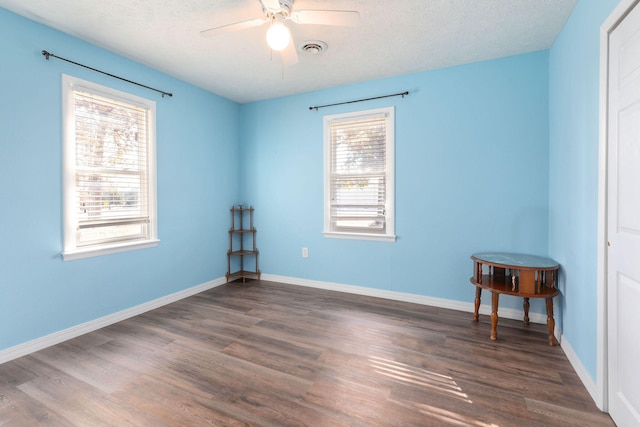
point(286, 5)
point(285, 8)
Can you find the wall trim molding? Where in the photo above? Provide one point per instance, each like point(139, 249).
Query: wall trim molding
point(92, 325)
point(58, 337)
point(506, 313)
point(593, 388)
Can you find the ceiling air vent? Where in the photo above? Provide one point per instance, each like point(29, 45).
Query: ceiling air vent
point(314, 47)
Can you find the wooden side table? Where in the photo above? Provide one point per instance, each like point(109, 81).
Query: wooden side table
point(521, 275)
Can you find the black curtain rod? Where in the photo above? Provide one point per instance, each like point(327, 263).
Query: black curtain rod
point(47, 55)
point(403, 94)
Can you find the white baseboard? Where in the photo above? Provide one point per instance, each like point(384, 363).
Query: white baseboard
point(75, 331)
point(584, 376)
point(83, 328)
point(507, 313)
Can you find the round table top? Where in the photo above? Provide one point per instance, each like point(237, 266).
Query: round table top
point(515, 260)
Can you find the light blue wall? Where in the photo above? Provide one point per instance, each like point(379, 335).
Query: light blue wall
point(471, 175)
point(197, 157)
point(573, 171)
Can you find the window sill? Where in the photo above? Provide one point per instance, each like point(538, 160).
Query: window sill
point(360, 236)
point(108, 249)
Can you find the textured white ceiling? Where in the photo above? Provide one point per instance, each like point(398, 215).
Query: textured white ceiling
point(394, 37)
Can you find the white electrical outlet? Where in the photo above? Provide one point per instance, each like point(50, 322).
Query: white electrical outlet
point(305, 252)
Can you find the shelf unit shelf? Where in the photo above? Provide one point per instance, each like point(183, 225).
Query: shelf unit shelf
point(504, 284)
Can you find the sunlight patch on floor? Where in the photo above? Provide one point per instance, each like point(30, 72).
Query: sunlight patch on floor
point(451, 418)
point(418, 376)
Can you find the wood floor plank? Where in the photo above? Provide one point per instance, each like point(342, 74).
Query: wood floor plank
point(269, 354)
point(549, 414)
point(20, 409)
point(100, 373)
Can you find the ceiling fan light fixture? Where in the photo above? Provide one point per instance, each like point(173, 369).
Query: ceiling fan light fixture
point(278, 36)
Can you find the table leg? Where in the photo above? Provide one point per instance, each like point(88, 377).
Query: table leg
point(525, 306)
point(477, 303)
point(494, 315)
point(550, 322)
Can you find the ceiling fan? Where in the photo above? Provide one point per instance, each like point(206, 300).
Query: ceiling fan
point(279, 38)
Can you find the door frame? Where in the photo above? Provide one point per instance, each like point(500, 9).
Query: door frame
point(602, 374)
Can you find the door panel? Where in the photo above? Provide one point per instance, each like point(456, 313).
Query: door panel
point(628, 160)
point(628, 349)
point(623, 226)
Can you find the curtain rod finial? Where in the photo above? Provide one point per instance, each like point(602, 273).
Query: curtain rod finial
point(46, 54)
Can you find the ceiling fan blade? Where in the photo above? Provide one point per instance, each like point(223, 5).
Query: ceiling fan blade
point(289, 54)
point(242, 25)
point(345, 18)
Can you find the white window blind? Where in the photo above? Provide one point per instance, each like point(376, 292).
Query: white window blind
point(359, 169)
point(109, 145)
point(111, 169)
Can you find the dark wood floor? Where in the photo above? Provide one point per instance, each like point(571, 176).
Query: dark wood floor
point(268, 354)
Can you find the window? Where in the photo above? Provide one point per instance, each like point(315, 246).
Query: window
point(359, 175)
point(109, 182)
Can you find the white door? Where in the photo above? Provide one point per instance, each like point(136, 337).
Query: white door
point(623, 221)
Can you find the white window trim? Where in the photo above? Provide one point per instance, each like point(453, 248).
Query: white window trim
point(389, 236)
point(71, 251)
